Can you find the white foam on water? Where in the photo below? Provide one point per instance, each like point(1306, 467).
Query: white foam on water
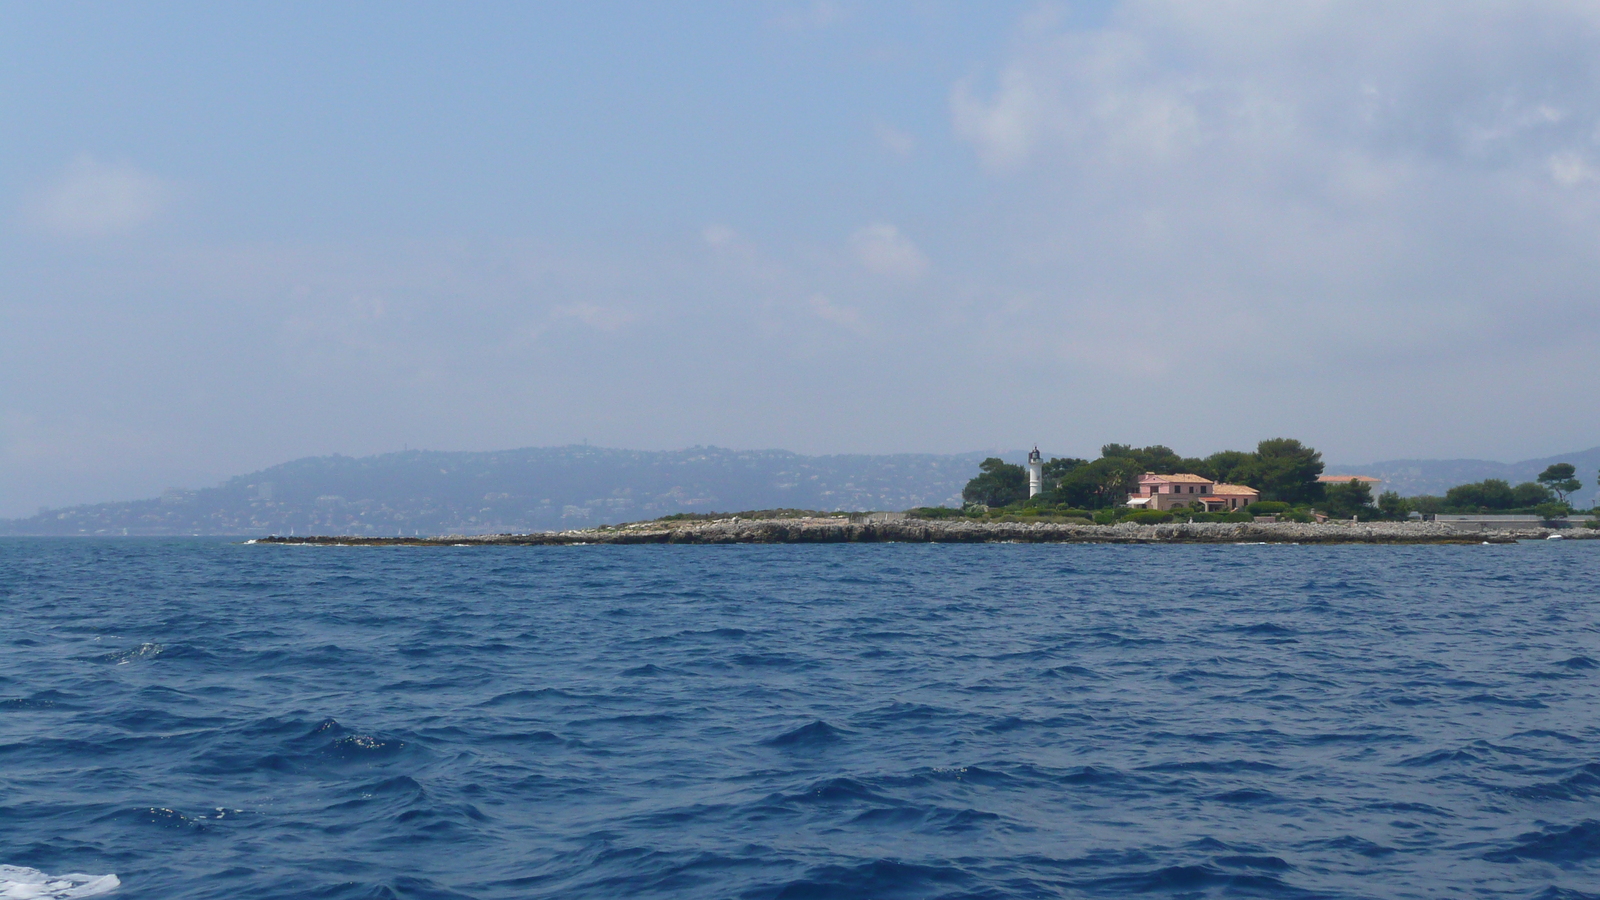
point(21, 883)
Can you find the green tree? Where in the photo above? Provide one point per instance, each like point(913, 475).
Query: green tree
point(1154, 458)
point(1115, 479)
point(998, 483)
point(1392, 507)
point(1426, 504)
point(1283, 469)
point(1058, 468)
point(1348, 500)
point(1226, 466)
point(1481, 496)
point(1528, 494)
point(1559, 478)
point(1103, 483)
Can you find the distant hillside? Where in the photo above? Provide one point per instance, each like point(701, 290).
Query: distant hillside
point(1411, 477)
point(532, 489)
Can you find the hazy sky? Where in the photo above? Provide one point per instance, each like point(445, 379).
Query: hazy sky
point(237, 234)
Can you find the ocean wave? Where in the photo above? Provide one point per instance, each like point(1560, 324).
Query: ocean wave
point(1563, 845)
point(817, 734)
point(1000, 721)
point(21, 883)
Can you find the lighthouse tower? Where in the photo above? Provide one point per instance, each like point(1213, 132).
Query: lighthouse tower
point(1035, 473)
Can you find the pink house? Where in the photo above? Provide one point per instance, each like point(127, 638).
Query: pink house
point(1183, 490)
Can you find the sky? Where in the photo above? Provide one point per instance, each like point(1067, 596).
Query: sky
point(237, 234)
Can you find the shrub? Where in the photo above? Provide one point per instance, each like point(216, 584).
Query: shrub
point(934, 512)
point(1105, 517)
point(1237, 515)
point(1295, 515)
point(1267, 508)
point(1149, 517)
point(1426, 504)
point(1393, 507)
point(1551, 510)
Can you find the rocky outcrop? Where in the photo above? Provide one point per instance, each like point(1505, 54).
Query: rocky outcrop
point(962, 531)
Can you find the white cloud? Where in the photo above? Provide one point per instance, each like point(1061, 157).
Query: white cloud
point(1298, 167)
point(892, 139)
point(92, 198)
point(810, 16)
point(600, 318)
point(1002, 127)
point(883, 250)
point(1570, 169)
point(718, 236)
point(827, 310)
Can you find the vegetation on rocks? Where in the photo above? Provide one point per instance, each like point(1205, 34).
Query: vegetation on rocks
point(1284, 470)
point(963, 531)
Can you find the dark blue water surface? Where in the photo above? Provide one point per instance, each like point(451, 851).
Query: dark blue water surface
point(207, 719)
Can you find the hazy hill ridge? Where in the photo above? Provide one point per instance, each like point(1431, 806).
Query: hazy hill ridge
point(1411, 477)
point(529, 489)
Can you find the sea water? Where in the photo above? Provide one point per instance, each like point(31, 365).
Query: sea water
point(200, 718)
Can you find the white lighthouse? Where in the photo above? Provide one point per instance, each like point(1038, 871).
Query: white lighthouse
point(1035, 473)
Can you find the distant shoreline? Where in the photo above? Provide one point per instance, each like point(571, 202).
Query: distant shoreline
point(842, 531)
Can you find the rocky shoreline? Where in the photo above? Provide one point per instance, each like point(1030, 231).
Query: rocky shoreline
point(830, 530)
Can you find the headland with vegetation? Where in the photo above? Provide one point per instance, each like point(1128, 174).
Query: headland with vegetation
point(1288, 476)
point(750, 528)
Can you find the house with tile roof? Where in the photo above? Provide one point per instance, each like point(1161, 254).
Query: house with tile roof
point(1183, 490)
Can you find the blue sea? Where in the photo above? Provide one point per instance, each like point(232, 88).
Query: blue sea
point(205, 719)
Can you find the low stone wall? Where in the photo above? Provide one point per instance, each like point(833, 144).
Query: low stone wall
point(1511, 523)
point(961, 531)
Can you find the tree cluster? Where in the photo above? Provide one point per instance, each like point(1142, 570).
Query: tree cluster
point(1545, 496)
point(1282, 469)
